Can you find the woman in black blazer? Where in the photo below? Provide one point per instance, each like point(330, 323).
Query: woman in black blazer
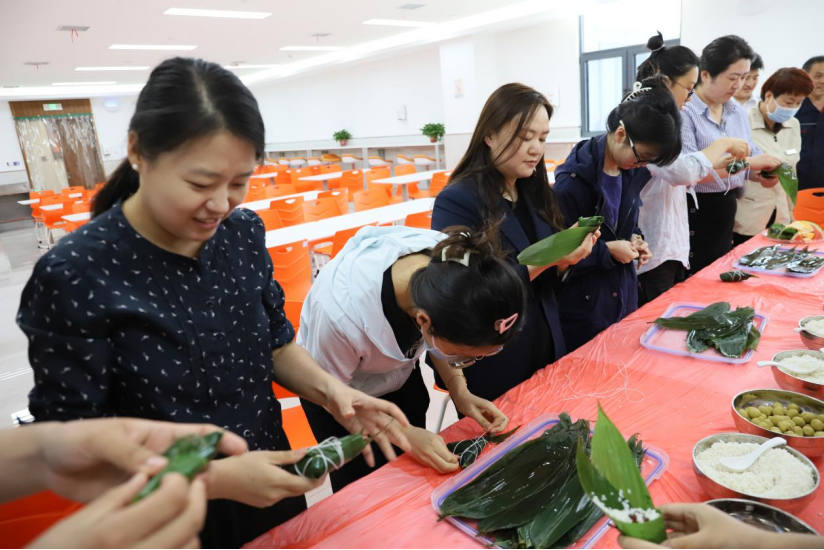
point(502, 178)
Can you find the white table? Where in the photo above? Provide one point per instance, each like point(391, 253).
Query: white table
point(29, 202)
point(327, 228)
point(80, 217)
point(270, 176)
point(406, 179)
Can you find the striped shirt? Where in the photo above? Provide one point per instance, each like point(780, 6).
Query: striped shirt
point(699, 131)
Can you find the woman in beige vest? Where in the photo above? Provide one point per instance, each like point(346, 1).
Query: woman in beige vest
point(776, 132)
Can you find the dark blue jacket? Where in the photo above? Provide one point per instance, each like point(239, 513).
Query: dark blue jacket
point(460, 204)
point(598, 291)
point(810, 167)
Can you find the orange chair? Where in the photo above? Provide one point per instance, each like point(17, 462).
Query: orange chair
point(377, 174)
point(352, 181)
point(369, 199)
point(297, 428)
point(412, 188)
point(305, 186)
point(78, 208)
point(421, 220)
point(340, 195)
point(809, 205)
point(293, 269)
point(404, 169)
point(255, 193)
point(438, 182)
point(271, 219)
point(99, 185)
point(314, 169)
point(328, 169)
point(280, 190)
point(321, 209)
point(292, 310)
point(25, 519)
point(72, 190)
point(342, 237)
point(283, 177)
point(290, 210)
point(53, 219)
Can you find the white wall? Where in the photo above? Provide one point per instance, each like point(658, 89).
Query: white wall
point(785, 33)
point(361, 98)
point(9, 145)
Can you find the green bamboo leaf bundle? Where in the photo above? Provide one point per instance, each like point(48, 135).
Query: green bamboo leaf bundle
point(188, 456)
point(612, 481)
point(467, 450)
point(736, 166)
point(328, 455)
point(736, 276)
point(553, 248)
point(787, 178)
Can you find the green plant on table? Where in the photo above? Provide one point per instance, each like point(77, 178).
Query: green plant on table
point(434, 131)
point(341, 135)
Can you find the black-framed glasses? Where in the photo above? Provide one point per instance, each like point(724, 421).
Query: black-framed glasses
point(638, 160)
point(690, 91)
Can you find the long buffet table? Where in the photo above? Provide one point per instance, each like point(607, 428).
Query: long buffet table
point(671, 401)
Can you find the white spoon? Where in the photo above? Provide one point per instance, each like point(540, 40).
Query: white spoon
point(742, 463)
point(797, 370)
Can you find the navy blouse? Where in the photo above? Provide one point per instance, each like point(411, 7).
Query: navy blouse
point(120, 327)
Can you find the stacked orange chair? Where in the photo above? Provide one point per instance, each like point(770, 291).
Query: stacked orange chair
point(377, 174)
point(369, 199)
point(438, 182)
point(256, 192)
point(271, 219)
point(328, 169)
point(290, 210)
point(809, 205)
point(78, 208)
point(340, 195)
point(293, 269)
point(352, 181)
point(283, 177)
point(421, 220)
point(75, 189)
point(412, 188)
point(342, 237)
point(305, 186)
point(320, 209)
point(280, 190)
point(53, 219)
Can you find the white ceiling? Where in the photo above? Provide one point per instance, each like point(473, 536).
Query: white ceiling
point(28, 32)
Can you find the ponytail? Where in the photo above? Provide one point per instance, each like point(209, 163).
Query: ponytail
point(469, 289)
point(122, 184)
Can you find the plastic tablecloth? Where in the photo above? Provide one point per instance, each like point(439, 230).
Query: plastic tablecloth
point(671, 401)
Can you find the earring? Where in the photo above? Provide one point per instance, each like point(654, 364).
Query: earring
point(135, 167)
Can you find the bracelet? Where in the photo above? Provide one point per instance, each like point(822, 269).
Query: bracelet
point(459, 375)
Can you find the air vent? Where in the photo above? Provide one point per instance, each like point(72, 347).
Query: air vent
point(36, 63)
point(75, 28)
point(9, 86)
point(410, 6)
point(321, 34)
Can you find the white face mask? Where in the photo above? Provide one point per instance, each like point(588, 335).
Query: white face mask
point(781, 114)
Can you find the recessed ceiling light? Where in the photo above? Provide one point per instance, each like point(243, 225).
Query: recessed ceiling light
point(121, 68)
point(311, 48)
point(38, 63)
point(246, 66)
point(218, 13)
point(99, 83)
point(170, 48)
point(398, 23)
point(410, 6)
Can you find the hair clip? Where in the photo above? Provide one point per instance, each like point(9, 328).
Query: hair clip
point(463, 261)
point(503, 325)
point(637, 90)
point(661, 47)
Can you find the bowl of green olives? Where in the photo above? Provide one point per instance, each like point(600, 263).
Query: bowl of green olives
point(807, 384)
point(796, 417)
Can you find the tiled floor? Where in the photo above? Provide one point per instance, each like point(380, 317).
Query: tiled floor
point(18, 254)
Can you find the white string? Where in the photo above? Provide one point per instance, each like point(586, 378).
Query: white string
point(622, 372)
point(332, 442)
point(475, 443)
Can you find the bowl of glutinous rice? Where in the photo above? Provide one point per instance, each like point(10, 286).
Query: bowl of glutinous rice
point(812, 331)
point(811, 383)
point(781, 477)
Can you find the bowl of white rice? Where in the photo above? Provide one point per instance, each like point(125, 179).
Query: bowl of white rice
point(811, 383)
point(781, 477)
point(812, 331)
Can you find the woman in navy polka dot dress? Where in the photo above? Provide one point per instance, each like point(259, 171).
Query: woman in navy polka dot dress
point(164, 306)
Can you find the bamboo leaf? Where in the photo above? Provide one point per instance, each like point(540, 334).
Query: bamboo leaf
point(787, 178)
point(555, 247)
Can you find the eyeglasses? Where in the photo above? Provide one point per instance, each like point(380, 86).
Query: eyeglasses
point(690, 91)
point(638, 160)
point(463, 363)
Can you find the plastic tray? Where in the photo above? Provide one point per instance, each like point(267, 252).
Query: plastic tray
point(675, 341)
point(765, 235)
point(780, 272)
point(654, 465)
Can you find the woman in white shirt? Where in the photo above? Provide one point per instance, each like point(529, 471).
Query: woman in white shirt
point(777, 132)
point(663, 217)
point(393, 293)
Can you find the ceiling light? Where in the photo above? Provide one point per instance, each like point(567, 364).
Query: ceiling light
point(398, 23)
point(246, 66)
point(75, 28)
point(170, 48)
point(121, 68)
point(311, 48)
point(218, 13)
point(99, 83)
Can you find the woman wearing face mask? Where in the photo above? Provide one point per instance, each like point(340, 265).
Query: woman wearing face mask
point(501, 182)
point(663, 216)
point(393, 293)
point(777, 132)
point(711, 115)
point(604, 176)
point(164, 307)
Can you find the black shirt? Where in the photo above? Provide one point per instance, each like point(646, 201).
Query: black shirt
point(404, 328)
point(120, 327)
point(810, 167)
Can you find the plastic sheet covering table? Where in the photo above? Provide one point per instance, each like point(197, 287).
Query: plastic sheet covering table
point(671, 401)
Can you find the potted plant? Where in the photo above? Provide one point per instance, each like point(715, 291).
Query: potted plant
point(341, 136)
point(434, 131)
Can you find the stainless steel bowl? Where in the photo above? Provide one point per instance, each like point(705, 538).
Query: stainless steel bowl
point(810, 446)
point(717, 490)
point(763, 516)
point(808, 338)
point(791, 382)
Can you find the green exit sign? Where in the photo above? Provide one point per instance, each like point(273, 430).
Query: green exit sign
point(52, 107)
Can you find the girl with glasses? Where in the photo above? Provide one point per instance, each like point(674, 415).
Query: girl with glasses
point(393, 293)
